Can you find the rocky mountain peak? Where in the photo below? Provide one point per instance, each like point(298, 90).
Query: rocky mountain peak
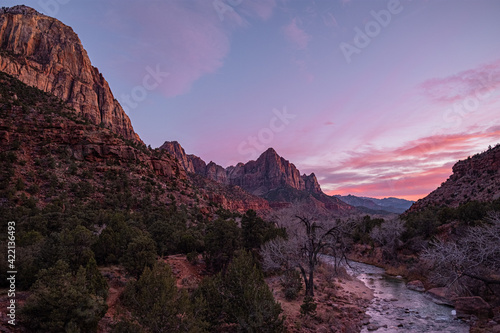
point(45, 53)
point(311, 183)
point(271, 177)
point(176, 150)
point(19, 9)
point(269, 152)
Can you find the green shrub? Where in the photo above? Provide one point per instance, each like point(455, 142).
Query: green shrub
point(308, 307)
point(291, 282)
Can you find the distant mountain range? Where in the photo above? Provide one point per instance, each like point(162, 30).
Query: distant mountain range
point(373, 205)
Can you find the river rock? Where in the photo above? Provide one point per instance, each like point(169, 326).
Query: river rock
point(475, 305)
point(373, 327)
point(442, 296)
point(416, 285)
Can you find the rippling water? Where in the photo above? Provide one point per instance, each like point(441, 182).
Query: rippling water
point(395, 308)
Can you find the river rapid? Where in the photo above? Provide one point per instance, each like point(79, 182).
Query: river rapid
point(396, 308)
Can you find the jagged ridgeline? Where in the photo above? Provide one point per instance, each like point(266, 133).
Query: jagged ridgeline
point(473, 179)
point(270, 177)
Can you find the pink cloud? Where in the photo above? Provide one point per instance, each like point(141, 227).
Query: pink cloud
point(295, 35)
point(410, 171)
point(411, 187)
point(478, 82)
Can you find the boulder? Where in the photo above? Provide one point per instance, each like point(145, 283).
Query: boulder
point(472, 306)
point(442, 295)
point(416, 285)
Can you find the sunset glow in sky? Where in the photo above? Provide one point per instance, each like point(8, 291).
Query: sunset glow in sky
point(376, 97)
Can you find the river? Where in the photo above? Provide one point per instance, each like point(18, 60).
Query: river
point(395, 308)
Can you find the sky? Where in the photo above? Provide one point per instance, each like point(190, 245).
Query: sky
point(378, 98)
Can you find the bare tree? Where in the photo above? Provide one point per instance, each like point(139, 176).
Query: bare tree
point(309, 235)
point(388, 235)
point(460, 264)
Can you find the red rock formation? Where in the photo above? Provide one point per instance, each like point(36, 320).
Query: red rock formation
point(44, 53)
point(175, 149)
point(268, 172)
point(476, 178)
point(270, 177)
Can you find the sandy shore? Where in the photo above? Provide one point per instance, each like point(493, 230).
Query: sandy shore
point(341, 304)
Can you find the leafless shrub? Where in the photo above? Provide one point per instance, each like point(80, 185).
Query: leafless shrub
point(388, 235)
point(470, 261)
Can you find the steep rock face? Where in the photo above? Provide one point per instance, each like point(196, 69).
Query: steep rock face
point(216, 173)
point(57, 152)
point(311, 183)
point(198, 164)
point(44, 53)
point(476, 178)
point(175, 149)
point(268, 172)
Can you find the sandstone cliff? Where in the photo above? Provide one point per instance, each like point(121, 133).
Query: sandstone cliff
point(44, 53)
point(476, 178)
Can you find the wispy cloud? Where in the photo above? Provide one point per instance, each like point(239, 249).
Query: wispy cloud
point(476, 82)
point(296, 35)
point(186, 39)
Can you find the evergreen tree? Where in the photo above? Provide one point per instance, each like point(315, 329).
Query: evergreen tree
point(222, 239)
point(157, 304)
point(140, 253)
point(62, 302)
point(96, 283)
point(256, 231)
point(242, 297)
